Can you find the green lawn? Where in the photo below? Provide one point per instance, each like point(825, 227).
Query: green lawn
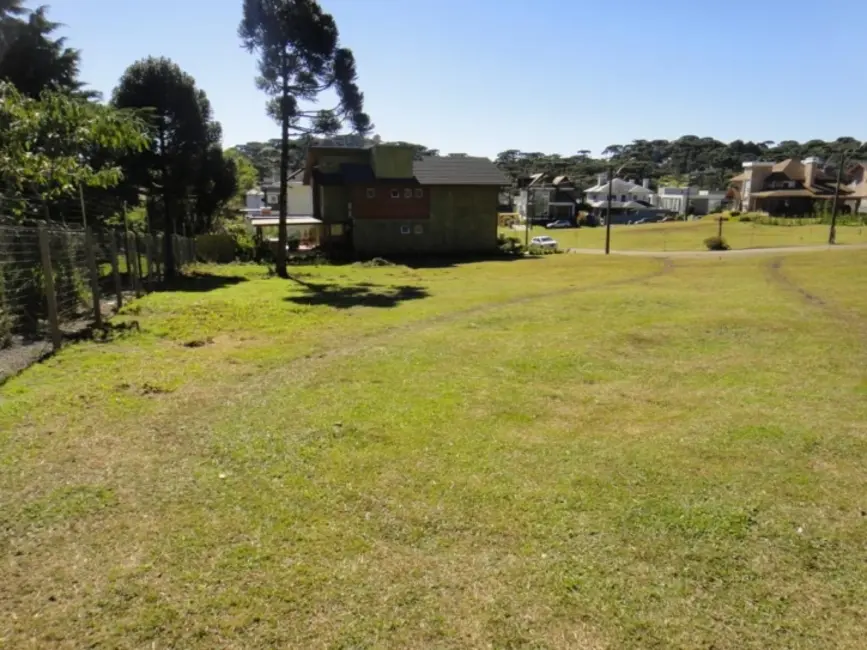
point(690, 235)
point(568, 452)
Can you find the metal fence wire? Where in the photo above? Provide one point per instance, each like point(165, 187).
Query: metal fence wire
point(57, 281)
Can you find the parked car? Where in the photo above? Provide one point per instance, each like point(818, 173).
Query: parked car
point(560, 223)
point(544, 241)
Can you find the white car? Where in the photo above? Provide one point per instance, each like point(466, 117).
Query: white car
point(544, 241)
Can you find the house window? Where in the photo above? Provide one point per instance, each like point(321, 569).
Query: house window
point(623, 198)
point(419, 192)
point(371, 192)
point(395, 194)
point(418, 229)
point(404, 230)
point(407, 193)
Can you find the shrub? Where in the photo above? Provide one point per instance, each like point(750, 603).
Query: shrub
point(716, 244)
point(293, 243)
point(746, 218)
point(510, 245)
point(245, 246)
point(542, 250)
point(734, 213)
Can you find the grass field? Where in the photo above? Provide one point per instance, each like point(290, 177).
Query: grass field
point(568, 452)
point(690, 235)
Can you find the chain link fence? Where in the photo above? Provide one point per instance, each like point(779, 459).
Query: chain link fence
point(59, 282)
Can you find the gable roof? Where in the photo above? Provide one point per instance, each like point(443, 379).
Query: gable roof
point(619, 186)
point(445, 170)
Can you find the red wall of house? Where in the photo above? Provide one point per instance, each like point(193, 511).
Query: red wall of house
point(383, 206)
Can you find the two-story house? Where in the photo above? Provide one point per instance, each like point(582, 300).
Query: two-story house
point(383, 199)
point(793, 187)
point(545, 197)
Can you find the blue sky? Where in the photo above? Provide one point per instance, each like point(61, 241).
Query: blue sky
point(481, 76)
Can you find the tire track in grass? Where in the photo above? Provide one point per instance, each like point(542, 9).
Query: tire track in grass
point(375, 339)
point(778, 276)
point(300, 369)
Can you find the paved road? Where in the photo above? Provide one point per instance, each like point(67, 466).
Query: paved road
point(731, 253)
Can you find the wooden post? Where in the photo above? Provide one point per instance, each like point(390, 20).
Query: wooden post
point(48, 279)
point(94, 276)
point(149, 252)
point(128, 254)
point(115, 268)
point(719, 232)
point(132, 253)
point(81, 199)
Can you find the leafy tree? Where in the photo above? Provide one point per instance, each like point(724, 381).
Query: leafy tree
point(246, 176)
point(54, 144)
point(183, 162)
point(30, 57)
point(299, 58)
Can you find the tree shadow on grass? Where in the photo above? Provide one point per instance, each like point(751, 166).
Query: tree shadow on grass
point(448, 261)
point(201, 282)
point(363, 294)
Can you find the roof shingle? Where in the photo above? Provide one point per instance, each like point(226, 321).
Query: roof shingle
point(446, 170)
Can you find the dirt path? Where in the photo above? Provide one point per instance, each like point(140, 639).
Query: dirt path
point(742, 252)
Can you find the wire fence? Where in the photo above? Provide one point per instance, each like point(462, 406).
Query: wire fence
point(58, 282)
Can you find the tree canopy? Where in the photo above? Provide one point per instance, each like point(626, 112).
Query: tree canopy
point(54, 144)
point(183, 163)
point(31, 58)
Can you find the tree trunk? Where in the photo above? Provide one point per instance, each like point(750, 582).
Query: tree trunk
point(168, 226)
point(280, 255)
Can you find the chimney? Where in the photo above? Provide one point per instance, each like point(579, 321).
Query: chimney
point(645, 183)
point(812, 165)
point(601, 178)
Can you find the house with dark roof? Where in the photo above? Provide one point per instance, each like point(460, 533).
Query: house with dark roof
point(795, 187)
point(548, 197)
point(382, 199)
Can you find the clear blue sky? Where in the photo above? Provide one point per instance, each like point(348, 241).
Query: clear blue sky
point(481, 76)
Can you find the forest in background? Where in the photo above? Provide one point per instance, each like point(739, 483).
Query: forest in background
point(704, 162)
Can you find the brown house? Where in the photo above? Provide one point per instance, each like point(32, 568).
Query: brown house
point(795, 188)
point(383, 200)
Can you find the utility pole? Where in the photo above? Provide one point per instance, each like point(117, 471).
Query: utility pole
point(608, 210)
point(832, 233)
point(686, 197)
point(527, 220)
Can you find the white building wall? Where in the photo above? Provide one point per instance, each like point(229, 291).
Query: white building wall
point(299, 199)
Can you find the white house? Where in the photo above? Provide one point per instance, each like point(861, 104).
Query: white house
point(680, 199)
point(623, 193)
point(299, 197)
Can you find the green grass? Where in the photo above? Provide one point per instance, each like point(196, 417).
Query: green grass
point(568, 452)
point(690, 235)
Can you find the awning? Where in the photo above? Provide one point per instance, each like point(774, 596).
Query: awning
point(305, 221)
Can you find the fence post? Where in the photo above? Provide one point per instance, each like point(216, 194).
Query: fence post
point(94, 276)
point(48, 279)
point(115, 271)
point(158, 254)
point(132, 252)
point(149, 252)
point(128, 255)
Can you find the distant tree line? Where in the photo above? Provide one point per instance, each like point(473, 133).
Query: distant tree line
point(703, 162)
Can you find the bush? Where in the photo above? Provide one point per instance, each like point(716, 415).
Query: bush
point(746, 218)
point(542, 250)
point(734, 213)
point(245, 246)
point(716, 244)
point(510, 245)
